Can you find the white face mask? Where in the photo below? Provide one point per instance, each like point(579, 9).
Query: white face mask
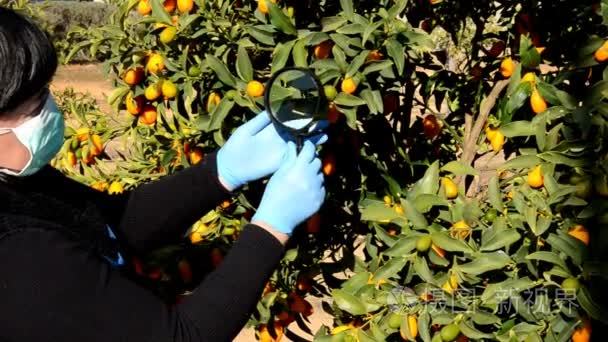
point(42, 135)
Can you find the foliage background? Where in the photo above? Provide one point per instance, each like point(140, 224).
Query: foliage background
point(386, 159)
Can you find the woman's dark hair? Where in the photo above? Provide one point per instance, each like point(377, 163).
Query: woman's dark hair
point(28, 59)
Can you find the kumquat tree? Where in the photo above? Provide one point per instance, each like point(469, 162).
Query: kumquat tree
point(466, 167)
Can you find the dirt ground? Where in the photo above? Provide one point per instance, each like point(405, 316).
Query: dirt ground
point(91, 79)
point(84, 79)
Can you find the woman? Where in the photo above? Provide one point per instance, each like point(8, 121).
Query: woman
point(62, 243)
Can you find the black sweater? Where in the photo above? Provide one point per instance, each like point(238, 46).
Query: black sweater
point(54, 286)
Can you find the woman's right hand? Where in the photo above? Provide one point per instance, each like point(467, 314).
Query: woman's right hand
point(294, 193)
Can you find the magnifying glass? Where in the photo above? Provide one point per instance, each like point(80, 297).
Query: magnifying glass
point(296, 103)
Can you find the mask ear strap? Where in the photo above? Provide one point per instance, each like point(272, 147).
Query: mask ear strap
point(9, 172)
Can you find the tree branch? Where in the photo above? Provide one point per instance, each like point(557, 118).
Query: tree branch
point(470, 141)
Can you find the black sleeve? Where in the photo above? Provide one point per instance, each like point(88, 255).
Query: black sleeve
point(158, 214)
point(52, 290)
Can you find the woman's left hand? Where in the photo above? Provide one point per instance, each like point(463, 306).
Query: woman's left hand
point(254, 151)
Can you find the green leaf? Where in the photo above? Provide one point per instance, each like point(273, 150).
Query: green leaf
point(377, 66)
point(568, 245)
point(364, 337)
point(347, 8)
point(159, 13)
point(551, 114)
point(424, 319)
point(378, 211)
point(560, 158)
point(566, 99)
point(530, 58)
point(322, 336)
point(332, 23)
point(378, 101)
point(384, 237)
point(75, 49)
point(518, 129)
point(390, 268)
point(280, 20)
point(533, 337)
point(344, 42)
point(221, 71)
point(495, 293)
point(116, 97)
point(548, 92)
point(344, 99)
point(190, 95)
point(262, 35)
point(566, 331)
point(419, 40)
point(486, 262)
point(501, 239)
point(356, 64)
point(370, 246)
point(428, 184)
point(541, 135)
point(458, 168)
point(281, 55)
point(443, 240)
point(351, 29)
point(521, 162)
point(300, 54)
point(494, 194)
point(489, 233)
point(397, 8)
point(596, 94)
point(518, 98)
point(243, 65)
point(340, 58)
point(356, 282)
point(351, 116)
point(549, 257)
point(522, 307)
point(425, 202)
point(589, 305)
point(530, 214)
point(515, 80)
point(393, 186)
point(348, 302)
point(219, 114)
point(325, 65)
point(168, 157)
point(423, 271)
point(542, 224)
point(395, 51)
point(484, 318)
point(404, 246)
point(414, 216)
point(379, 335)
point(369, 31)
point(368, 97)
point(468, 329)
point(552, 138)
point(315, 38)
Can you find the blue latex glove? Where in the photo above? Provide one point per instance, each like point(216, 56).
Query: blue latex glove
point(294, 193)
point(254, 151)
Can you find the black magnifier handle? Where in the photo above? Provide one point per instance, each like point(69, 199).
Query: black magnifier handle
point(299, 143)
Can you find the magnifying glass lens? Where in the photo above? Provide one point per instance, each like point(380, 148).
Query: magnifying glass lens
point(294, 98)
point(296, 103)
